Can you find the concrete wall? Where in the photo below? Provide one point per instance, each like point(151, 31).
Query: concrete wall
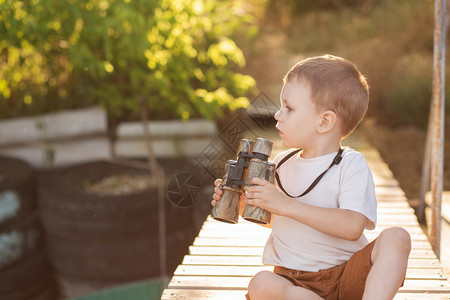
point(173, 138)
point(72, 136)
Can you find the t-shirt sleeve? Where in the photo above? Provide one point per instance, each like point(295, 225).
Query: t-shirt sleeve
point(279, 157)
point(357, 189)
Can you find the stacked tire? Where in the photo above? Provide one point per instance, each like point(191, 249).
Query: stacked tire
point(24, 269)
point(96, 241)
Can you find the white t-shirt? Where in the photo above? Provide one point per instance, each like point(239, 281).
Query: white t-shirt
point(348, 185)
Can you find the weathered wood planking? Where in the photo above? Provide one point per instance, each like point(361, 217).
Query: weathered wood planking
point(230, 282)
point(180, 294)
point(224, 257)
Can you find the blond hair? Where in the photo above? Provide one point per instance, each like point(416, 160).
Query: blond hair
point(337, 85)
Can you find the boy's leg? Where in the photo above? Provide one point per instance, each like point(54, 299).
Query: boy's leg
point(268, 285)
point(390, 259)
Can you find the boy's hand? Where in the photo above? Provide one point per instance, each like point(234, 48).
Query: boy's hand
point(265, 195)
point(217, 191)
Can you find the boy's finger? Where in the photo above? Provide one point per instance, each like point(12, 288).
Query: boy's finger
point(218, 191)
point(259, 181)
point(253, 188)
point(251, 195)
point(218, 182)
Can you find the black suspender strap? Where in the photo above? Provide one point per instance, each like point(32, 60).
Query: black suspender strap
point(337, 159)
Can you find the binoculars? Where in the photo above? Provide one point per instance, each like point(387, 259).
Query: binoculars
point(252, 162)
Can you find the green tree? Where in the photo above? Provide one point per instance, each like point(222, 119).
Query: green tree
point(180, 56)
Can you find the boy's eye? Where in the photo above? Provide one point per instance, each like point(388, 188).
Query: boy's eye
point(288, 108)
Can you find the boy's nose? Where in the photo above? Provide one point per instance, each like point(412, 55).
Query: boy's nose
point(277, 115)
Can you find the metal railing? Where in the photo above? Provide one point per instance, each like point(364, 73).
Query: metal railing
point(433, 163)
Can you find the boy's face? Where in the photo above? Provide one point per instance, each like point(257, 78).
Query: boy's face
point(297, 117)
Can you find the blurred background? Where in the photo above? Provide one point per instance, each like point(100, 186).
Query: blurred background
point(101, 101)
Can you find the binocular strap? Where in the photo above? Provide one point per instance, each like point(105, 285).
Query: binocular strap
point(337, 159)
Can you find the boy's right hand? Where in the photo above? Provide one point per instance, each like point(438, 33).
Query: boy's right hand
point(217, 191)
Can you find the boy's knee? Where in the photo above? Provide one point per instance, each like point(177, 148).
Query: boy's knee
point(260, 284)
point(260, 280)
point(396, 237)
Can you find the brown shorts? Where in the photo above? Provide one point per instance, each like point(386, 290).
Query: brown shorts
point(346, 281)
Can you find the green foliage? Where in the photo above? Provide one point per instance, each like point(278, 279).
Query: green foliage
point(390, 41)
point(409, 95)
point(302, 6)
point(178, 55)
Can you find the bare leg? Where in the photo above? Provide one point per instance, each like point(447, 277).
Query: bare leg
point(390, 260)
point(267, 285)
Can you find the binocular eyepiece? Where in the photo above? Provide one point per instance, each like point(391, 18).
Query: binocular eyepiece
point(252, 162)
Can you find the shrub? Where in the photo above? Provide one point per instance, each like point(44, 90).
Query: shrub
point(409, 91)
point(178, 55)
point(391, 42)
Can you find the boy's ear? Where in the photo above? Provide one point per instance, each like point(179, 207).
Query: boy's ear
point(327, 121)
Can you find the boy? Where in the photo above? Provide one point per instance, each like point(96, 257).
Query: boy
point(317, 245)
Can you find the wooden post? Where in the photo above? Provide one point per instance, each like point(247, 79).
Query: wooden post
point(426, 168)
point(158, 173)
point(437, 121)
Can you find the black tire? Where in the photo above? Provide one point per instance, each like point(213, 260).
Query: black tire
point(20, 241)
point(112, 238)
point(27, 278)
point(24, 269)
point(116, 260)
point(17, 194)
point(68, 211)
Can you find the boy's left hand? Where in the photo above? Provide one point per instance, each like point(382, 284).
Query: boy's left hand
point(265, 195)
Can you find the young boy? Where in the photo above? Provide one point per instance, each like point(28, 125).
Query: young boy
point(317, 245)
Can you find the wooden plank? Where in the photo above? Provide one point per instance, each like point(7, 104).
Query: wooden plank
point(208, 231)
point(222, 270)
point(388, 181)
point(257, 251)
point(243, 251)
point(240, 294)
point(384, 223)
point(415, 232)
point(211, 282)
point(244, 233)
point(257, 261)
point(414, 237)
point(188, 294)
point(421, 296)
point(222, 260)
point(241, 283)
point(394, 204)
point(395, 210)
point(382, 198)
point(381, 190)
point(431, 273)
point(249, 241)
point(398, 217)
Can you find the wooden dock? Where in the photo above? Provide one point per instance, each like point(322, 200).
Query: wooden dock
point(224, 257)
